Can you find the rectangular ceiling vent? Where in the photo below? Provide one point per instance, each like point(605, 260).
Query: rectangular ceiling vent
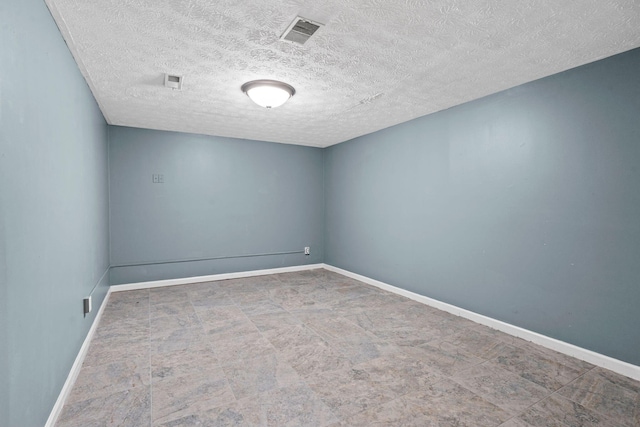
point(173, 82)
point(300, 30)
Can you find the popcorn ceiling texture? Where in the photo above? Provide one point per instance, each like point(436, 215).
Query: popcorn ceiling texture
point(375, 63)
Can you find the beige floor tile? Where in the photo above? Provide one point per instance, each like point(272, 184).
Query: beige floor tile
point(557, 411)
point(175, 397)
point(607, 393)
point(251, 377)
point(315, 348)
point(505, 389)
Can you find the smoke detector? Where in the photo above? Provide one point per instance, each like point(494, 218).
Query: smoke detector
point(173, 81)
point(300, 30)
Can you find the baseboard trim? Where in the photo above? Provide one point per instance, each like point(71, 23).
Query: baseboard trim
point(77, 365)
point(615, 365)
point(211, 278)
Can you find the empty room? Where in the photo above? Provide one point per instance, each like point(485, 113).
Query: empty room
point(302, 213)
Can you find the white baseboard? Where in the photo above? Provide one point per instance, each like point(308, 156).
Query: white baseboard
point(211, 278)
point(615, 365)
point(77, 364)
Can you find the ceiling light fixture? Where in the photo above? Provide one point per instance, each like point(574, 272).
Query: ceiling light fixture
point(268, 93)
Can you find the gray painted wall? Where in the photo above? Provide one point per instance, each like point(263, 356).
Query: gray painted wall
point(53, 211)
point(523, 206)
point(220, 197)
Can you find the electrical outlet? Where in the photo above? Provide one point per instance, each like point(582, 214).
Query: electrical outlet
point(157, 178)
point(307, 250)
point(87, 305)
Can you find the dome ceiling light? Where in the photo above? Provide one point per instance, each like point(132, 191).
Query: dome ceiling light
point(268, 93)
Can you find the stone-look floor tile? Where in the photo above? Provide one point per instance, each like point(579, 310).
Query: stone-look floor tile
point(540, 368)
point(441, 404)
point(180, 363)
point(265, 307)
point(313, 314)
point(354, 289)
point(292, 336)
point(179, 308)
point(506, 338)
point(204, 287)
point(502, 388)
point(209, 296)
point(159, 324)
point(321, 293)
point(164, 341)
point(115, 313)
point(607, 393)
point(364, 303)
point(270, 321)
point(104, 380)
point(290, 406)
point(397, 324)
point(477, 342)
point(349, 391)
point(105, 352)
point(175, 397)
point(130, 408)
point(255, 376)
point(220, 314)
point(571, 362)
point(292, 298)
point(252, 297)
point(238, 286)
point(313, 359)
point(401, 373)
point(128, 300)
point(359, 350)
point(192, 346)
point(410, 336)
point(168, 295)
point(557, 411)
point(443, 357)
point(337, 329)
point(293, 279)
point(517, 422)
point(441, 326)
point(232, 348)
point(379, 322)
point(123, 332)
point(129, 295)
point(217, 331)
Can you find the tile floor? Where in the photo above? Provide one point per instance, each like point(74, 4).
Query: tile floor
point(317, 349)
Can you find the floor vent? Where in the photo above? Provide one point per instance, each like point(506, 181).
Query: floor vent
point(300, 30)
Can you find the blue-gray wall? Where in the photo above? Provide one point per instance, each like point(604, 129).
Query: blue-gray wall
point(523, 206)
point(53, 211)
point(220, 197)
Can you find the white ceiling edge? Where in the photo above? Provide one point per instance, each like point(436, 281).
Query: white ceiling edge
point(361, 117)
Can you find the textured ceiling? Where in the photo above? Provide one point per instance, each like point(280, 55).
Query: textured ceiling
point(374, 64)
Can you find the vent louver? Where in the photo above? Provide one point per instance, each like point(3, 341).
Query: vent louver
point(300, 30)
point(173, 82)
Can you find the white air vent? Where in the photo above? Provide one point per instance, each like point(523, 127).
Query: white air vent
point(300, 30)
point(172, 81)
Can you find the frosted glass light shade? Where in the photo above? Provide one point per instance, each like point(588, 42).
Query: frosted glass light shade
point(268, 93)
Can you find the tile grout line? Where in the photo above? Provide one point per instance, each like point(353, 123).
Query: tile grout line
point(555, 392)
point(301, 377)
point(220, 364)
